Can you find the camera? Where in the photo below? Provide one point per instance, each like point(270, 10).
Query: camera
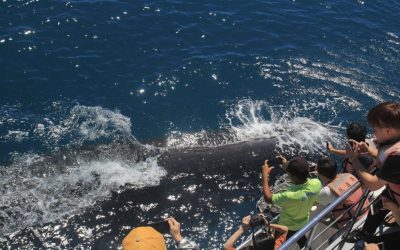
point(275, 162)
point(161, 226)
point(257, 220)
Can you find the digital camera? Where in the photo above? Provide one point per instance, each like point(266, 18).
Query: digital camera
point(257, 220)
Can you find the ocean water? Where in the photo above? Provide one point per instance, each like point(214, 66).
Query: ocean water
point(94, 94)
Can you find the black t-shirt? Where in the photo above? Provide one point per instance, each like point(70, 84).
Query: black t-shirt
point(390, 170)
point(366, 161)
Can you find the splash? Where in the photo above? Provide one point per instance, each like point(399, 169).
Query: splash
point(31, 197)
point(202, 138)
point(85, 124)
point(250, 120)
point(256, 119)
point(91, 154)
point(62, 126)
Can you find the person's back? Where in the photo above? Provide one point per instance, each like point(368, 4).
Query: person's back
point(296, 203)
point(336, 185)
point(297, 200)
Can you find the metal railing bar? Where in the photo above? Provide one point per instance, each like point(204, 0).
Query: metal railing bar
point(358, 210)
point(330, 225)
point(323, 243)
point(360, 203)
point(311, 236)
point(292, 240)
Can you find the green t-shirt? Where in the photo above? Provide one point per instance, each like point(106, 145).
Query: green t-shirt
point(296, 203)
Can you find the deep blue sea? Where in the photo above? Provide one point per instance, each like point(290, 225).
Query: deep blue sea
point(93, 93)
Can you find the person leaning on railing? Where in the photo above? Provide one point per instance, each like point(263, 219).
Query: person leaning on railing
point(385, 121)
point(263, 240)
point(297, 200)
point(335, 186)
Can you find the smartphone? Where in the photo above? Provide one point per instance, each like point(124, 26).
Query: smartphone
point(275, 162)
point(161, 226)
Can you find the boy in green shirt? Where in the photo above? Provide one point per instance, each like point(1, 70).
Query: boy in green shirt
point(298, 199)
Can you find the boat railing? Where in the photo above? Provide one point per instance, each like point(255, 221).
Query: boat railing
point(320, 217)
point(313, 224)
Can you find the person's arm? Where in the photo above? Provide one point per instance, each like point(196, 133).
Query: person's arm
point(284, 161)
point(371, 246)
point(388, 204)
point(372, 182)
point(367, 148)
point(333, 150)
point(280, 228)
point(325, 196)
point(229, 244)
point(175, 231)
point(266, 170)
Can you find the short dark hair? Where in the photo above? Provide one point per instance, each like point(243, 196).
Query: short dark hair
point(356, 132)
point(386, 114)
point(263, 241)
point(298, 166)
point(327, 167)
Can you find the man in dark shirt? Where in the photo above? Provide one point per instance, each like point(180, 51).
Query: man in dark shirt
point(385, 121)
point(390, 171)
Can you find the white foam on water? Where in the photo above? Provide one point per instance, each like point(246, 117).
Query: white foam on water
point(56, 129)
point(256, 119)
point(16, 135)
point(28, 199)
point(86, 124)
point(393, 35)
point(34, 190)
point(202, 138)
point(250, 120)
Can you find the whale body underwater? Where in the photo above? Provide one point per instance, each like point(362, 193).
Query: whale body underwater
point(202, 188)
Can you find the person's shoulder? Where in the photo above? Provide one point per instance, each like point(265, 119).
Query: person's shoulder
point(279, 198)
point(392, 162)
point(315, 182)
point(325, 190)
point(394, 157)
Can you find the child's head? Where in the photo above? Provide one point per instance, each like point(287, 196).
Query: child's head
point(262, 241)
point(327, 169)
point(356, 132)
point(385, 121)
point(298, 169)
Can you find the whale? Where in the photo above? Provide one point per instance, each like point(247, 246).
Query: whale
point(245, 154)
point(202, 185)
